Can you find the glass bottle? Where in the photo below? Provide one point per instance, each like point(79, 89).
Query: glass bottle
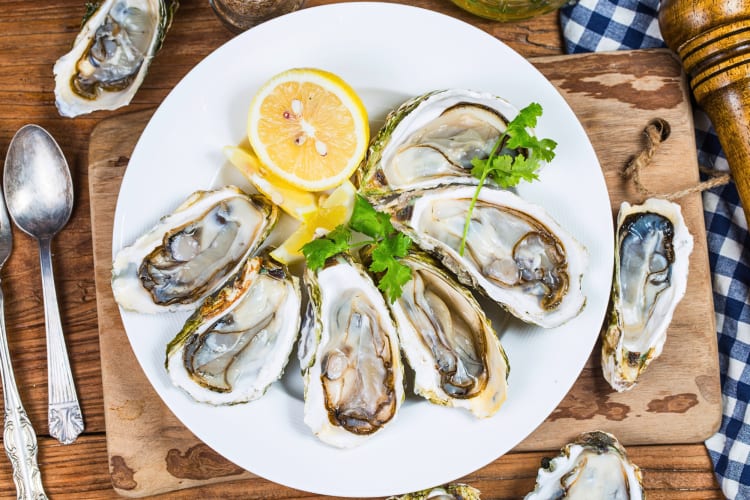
point(509, 10)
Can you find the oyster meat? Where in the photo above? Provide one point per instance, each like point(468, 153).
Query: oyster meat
point(190, 252)
point(430, 140)
point(237, 343)
point(447, 492)
point(349, 355)
point(593, 466)
point(652, 250)
point(111, 55)
point(515, 252)
point(448, 341)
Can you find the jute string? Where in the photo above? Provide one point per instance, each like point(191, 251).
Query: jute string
point(656, 132)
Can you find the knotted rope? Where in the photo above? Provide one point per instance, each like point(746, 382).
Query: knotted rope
point(656, 132)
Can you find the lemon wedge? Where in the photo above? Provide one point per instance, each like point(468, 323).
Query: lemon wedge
point(294, 201)
point(334, 210)
point(308, 128)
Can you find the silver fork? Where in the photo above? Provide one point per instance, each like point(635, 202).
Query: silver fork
point(19, 437)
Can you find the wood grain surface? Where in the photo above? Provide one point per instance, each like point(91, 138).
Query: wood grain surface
point(34, 35)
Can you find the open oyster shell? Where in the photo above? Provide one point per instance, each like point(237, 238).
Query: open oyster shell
point(447, 492)
point(237, 343)
point(111, 55)
point(652, 250)
point(593, 466)
point(448, 341)
point(190, 252)
point(515, 252)
point(349, 355)
point(431, 139)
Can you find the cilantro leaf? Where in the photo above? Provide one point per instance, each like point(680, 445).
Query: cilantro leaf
point(388, 249)
point(396, 245)
point(317, 251)
point(508, 171)
point(546, 150)
point(388, 246)
point(395, 277)
point(366, 220)
point(384, 258)
point(526, 152)
point(526, 118)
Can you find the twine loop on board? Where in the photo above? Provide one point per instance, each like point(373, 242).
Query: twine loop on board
point(656, 132)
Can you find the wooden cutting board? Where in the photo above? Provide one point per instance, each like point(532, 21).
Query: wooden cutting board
point(678, 400)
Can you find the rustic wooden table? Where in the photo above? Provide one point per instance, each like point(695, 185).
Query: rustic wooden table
point(34, 35)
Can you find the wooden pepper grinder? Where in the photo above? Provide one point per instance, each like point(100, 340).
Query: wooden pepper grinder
point(712, 37)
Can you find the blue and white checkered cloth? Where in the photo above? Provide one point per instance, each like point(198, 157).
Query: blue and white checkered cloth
point(597, 25)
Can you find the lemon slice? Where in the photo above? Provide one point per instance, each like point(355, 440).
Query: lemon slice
point(294, 201)
point(309, 128)
point(333, 211)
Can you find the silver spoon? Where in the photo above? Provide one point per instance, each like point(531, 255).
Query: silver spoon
point(19, 437)
point(39, 194)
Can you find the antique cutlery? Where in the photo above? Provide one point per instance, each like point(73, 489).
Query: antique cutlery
point(39, 193)
point(19, 437)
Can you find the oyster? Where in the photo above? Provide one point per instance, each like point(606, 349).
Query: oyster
point(349, 355)
point(448, 341)
point(111, 55)
point(447, 492)
point(238, 341)
point(430, 140)
point(652, 250)
point(594, 465)
point(515, 252)
point(190, 252)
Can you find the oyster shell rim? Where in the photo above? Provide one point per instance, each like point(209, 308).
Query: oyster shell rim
point(612, 338)
point(319, 422)
point(577, 256)
point(369, 171)
point(599, 441)
point(68, 103)
point(436, 394)
point(136, 297)
point(216, 305)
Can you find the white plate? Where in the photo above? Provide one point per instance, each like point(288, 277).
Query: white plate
point(388, 53)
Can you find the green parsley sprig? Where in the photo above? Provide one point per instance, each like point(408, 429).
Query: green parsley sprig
point(510, 167)
point(388, 246)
